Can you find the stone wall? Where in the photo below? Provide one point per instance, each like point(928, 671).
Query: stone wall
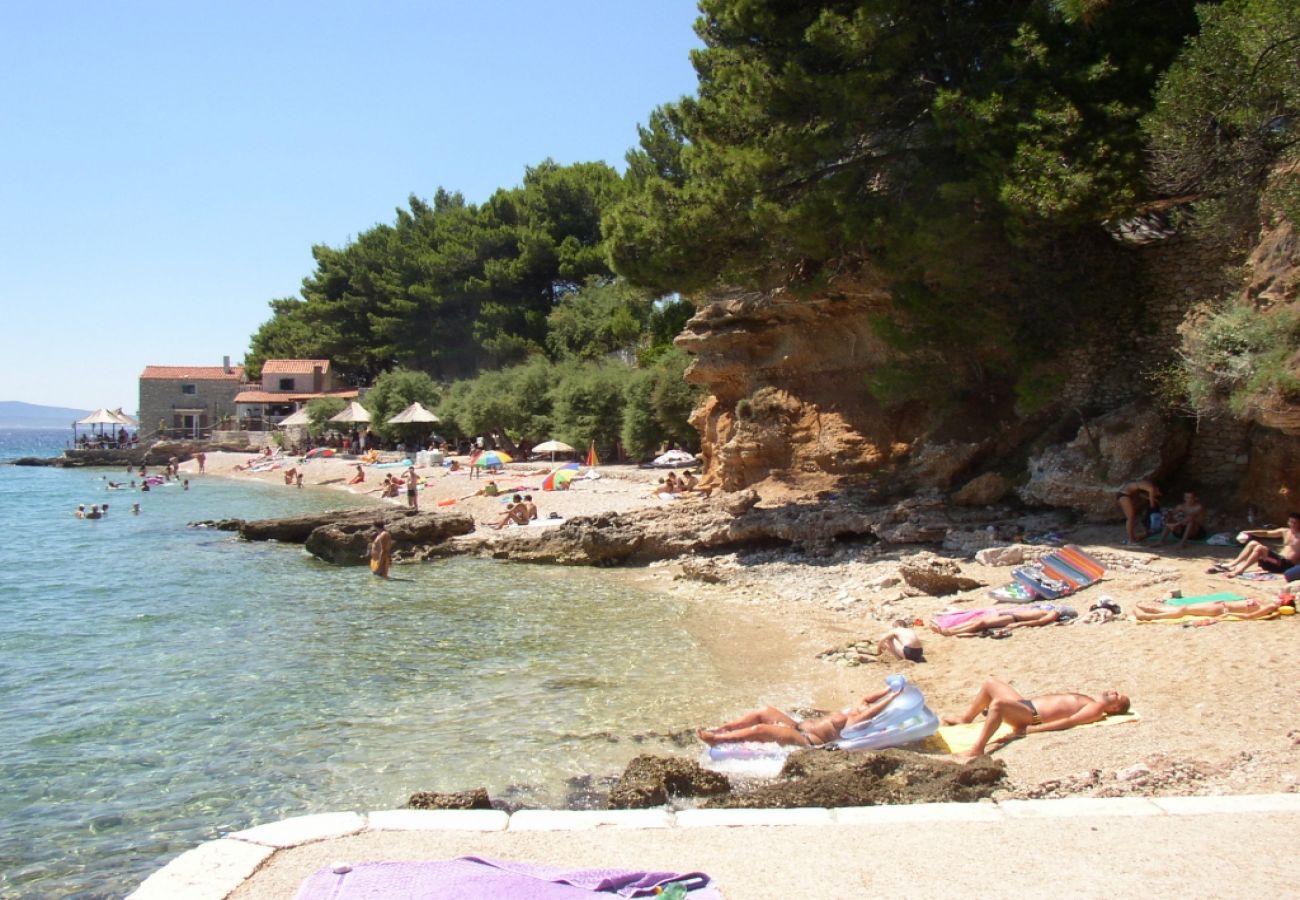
point(161, 397)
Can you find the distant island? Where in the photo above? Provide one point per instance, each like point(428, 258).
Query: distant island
point(16, 414)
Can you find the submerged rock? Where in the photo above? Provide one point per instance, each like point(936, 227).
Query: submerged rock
point(475, 799)
point(654, 780)
point(343, 536)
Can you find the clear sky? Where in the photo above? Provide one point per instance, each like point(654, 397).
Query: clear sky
point(166, 167)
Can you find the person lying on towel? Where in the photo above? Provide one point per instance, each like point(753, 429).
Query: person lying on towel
point(1148, 611)
point(770, 725)
point(975, 621)
point(1050, 712)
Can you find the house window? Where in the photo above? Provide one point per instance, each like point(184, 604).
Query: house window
point(189, 388)
point(286, 384)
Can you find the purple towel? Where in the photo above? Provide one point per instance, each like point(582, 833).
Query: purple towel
point(471, 876)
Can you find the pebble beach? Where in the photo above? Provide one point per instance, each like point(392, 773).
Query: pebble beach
point(1210, 699)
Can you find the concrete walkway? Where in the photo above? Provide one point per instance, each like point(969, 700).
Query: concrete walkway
point(1238, 846)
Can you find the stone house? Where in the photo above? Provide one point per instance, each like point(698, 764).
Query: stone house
point(287, 385)
point(187, 401)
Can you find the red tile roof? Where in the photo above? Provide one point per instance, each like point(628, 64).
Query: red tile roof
point(194, 373)
point(292, 396)
point(294, 366)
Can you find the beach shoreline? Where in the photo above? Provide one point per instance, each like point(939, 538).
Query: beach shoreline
point(1209, 697)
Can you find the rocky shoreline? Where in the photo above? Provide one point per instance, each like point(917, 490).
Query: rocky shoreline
point(826, 565)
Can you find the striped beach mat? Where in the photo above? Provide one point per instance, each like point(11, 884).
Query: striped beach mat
point(1060, 572)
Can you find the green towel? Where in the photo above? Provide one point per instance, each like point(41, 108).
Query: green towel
point(1226, 597)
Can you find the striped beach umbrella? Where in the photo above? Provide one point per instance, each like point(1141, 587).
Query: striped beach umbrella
point(560, 477)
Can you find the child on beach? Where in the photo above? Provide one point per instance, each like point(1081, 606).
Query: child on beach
point(902, 642)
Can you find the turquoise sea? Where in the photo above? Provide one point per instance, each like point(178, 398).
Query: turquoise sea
point(163, 685)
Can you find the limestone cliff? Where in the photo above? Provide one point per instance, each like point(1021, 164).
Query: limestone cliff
point(788, 405)
point(786, 381)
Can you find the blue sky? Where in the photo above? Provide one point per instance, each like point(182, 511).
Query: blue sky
point(167, 166)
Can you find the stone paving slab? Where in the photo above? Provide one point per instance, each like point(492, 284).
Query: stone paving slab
point(438, 820)
point(1187, 806)
point(918, 812)
point(769, 853)
point(303, 829)
point(210, 871)
point(571, 820)
point(1074, 807)
point(737, 818)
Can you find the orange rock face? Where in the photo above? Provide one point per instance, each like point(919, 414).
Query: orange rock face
point(787, 382)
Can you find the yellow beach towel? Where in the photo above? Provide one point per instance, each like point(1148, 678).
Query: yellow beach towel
point(960, 738)
point(1182, 620)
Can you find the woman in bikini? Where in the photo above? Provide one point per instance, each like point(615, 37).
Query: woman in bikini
point(1239, 609)
point(771, 725)
point(1030, 616)
point(1127, 496)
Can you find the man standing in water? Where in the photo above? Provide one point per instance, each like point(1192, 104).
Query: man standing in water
point(412, 484)
point(381, 552)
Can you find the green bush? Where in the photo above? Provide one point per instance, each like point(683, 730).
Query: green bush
point(1239, 357)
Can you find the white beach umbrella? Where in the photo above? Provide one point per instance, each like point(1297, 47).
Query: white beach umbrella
point(101, 416)
point(296, 419)
point(553, 447)
point(413, 414)
point(355, 412)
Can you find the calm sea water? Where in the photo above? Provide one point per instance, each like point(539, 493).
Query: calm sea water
point(162, 685)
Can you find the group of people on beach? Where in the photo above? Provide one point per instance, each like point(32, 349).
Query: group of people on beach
point(997, 700)
point(1140, 502)
point(519, 511)
point(675, 486)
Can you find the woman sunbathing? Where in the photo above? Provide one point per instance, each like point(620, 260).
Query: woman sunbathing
point(770, 725)
point(977, 621)
point(1237, 609)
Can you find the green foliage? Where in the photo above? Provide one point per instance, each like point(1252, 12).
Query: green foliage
point(320, 410)
point(393, 392)
point(450, 288)
point(588, 403)
point(514, 401)
point(599, 319)
point(817, 127)
point(965, 150)
point(286, 335)
point(1228, 112)
point(1240, 357)
point(658, 405)
point(673, 399)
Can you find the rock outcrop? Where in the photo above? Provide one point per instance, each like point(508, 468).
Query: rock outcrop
point(935, 576)
point(729, 522)
point(815, 778)
point(1127, 444)
point(865, 778)
point(475, 799)
point(343, 536)
point(655, 780)
point(787, 381)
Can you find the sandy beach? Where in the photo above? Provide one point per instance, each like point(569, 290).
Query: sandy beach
point(1214, 702)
